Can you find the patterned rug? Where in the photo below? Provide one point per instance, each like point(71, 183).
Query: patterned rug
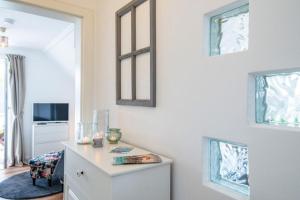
point(20, 187)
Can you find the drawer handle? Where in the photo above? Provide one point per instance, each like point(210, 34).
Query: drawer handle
point(79, 173)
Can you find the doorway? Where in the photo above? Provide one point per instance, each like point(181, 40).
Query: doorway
point(75, 19)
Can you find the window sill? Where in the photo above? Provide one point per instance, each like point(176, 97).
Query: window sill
point(236, 53)
point(275, 127)
point(226, 191)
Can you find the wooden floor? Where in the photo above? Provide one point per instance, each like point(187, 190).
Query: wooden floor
point(15, 170)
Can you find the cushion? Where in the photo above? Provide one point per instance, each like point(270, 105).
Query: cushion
point(43, 165)
point(47, 160)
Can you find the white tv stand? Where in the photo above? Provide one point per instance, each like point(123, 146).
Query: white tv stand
point(47, 137)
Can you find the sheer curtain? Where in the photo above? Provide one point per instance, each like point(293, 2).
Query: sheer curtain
point(17, 96)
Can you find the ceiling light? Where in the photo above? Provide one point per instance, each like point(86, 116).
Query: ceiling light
point(2, 29)
point(3, 41)
point(7, 22)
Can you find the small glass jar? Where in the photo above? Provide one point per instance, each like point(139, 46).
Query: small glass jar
point(84, 133)
point(114, 135)
point(98, 139)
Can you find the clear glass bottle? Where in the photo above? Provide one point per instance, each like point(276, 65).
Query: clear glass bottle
point(104, 120)
point(100, 122)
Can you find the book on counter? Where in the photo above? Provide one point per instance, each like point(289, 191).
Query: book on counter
point(121, 150)
point(138, 159)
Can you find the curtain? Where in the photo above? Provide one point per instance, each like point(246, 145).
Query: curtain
point(17, 91)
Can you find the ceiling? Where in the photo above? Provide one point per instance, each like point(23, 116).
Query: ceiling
point(31, 31)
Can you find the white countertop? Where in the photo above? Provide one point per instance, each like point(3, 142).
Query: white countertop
point(102, 158)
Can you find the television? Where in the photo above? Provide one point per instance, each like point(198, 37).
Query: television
point(50, 112)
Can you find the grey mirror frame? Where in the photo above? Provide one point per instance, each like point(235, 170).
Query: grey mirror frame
point(131, 7)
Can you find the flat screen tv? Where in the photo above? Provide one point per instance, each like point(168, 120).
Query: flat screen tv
point(47, 112)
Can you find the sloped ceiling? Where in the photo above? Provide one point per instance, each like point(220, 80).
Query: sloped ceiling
point(31, 31)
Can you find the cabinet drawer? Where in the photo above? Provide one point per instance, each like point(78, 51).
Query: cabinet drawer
point(71, 195)
point(50, 133)
point(72, 191)
point(90, 179)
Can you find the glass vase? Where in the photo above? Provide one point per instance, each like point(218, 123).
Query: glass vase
point(114, 135)
point(100, 122)
point(84, 133)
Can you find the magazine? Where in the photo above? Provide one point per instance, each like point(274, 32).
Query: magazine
point(138, 159)
point(121, 150)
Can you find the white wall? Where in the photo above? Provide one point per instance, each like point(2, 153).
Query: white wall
point(46, 81)
point(201, 96)
point(62, 51)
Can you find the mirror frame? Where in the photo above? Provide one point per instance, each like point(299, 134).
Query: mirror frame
point(131, 8)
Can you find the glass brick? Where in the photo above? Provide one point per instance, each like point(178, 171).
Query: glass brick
point(229, 165)
point(278, 99)
point(229, 31)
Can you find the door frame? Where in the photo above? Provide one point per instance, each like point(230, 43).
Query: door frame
point(6, 79)
point(83, 18)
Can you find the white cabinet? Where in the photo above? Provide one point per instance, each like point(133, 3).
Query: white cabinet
point(90, 175)
point(47, 137)
point(71, 195)
point(72, 191)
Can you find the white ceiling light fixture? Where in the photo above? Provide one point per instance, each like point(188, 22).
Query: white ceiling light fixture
point(7, 22)
point(3, 39)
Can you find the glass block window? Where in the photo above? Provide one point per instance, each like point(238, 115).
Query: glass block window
point(229, 165)
point(278, 99)
point(229, 31)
